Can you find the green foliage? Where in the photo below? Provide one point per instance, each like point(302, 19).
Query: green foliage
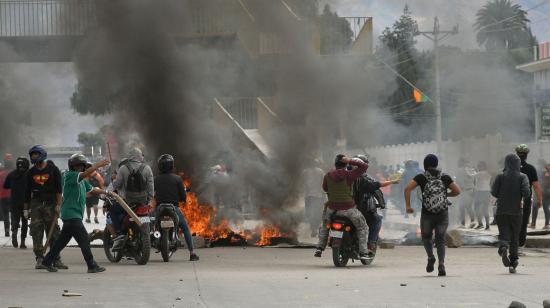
point(501, 24)
point(90, 139)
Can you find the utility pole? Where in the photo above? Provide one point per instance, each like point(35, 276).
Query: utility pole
point(436, 36)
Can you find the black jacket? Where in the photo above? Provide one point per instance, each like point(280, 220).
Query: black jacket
point(510, 187)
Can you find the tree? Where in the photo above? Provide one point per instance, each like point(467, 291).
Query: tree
point(89, 140)
point(501, 24)
point(336, 33)
point(398, 49)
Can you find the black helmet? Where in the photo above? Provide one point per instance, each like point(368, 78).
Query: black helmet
point(22, 164)
point(76, 161)
point(364, 158)
point(166, 163)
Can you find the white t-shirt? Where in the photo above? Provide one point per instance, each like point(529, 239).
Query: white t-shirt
point(483, 181)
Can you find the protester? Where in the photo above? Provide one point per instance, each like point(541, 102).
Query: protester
point(436, 186)
point(135, 183)
point(338, 184)
point(482, 195)
point(522, 151)
point(545, 187)
point(75, 189)
point(510, 187)
point(170, 190)
point(5, 202)
point(466, 181)
point(43, 199)
point(96, 180)
point(368, 197)
point(16, 182)
point(314, 196)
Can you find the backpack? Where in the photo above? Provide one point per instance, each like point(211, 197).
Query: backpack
point(434, 195)
point(367, 201)
point(136, 182)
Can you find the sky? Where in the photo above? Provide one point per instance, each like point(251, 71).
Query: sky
point(450, 13)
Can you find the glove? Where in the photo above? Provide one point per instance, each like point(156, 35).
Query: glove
point(26, 214)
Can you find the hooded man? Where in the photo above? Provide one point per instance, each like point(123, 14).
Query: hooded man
point(510, 187)
point(338, 185)
point(135, 184)
point(16, 182)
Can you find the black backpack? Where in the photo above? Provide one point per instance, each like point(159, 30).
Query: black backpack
point(136, 182)
point(367, 201)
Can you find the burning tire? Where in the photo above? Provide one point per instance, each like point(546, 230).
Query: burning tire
point(338, 257)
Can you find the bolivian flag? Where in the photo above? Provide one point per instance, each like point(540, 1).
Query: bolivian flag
point(419, 97)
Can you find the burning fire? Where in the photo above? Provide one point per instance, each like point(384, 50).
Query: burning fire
point(202, 222)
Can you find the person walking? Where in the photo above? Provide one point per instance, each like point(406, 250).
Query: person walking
point(482, 195)
point(72, 212)
point(436, 186)
point(96, 180)
point(466, 181)
point(510, 187)
point(16, 182)
point(314, 196)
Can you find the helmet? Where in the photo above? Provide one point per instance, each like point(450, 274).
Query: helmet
point(364, 158)
point(22, 164)
point(522, 149)
point(42, 154)
point(77, 160)
point(166, 163)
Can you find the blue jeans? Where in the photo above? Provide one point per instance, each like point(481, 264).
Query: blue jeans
point(185, 228)
point(374, 221)
point(117, 216)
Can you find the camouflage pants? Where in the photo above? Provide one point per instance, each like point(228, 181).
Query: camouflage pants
point(358, 221)
point(42, 216)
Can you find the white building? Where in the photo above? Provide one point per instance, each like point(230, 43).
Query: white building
point(540, 68)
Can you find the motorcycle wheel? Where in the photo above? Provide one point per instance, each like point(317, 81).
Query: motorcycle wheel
point(112, 256)
point(165, 250)
point(338, 257)
point(367, 262)
point(143, 250)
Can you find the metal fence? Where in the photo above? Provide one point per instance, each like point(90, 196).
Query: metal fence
point(46, 17)
point(244, 110)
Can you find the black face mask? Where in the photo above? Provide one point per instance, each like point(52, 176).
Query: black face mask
point(522, 157)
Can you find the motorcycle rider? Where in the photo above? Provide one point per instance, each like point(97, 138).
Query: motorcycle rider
point(135, 184)
point(169, 188)
point(368, 197)
point(43, 199)
point(16, 181)
point(75, 188)
point(338, 184)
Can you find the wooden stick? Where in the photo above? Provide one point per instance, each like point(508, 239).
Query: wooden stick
point(127, 208)
point(50, 233)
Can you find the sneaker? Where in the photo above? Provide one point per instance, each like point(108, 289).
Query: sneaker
point(318, 253)
point(50, 268)
point(503, 252)
point(193, 257)
point(512, 270)
point(14, 241)
point(88, 220)
point(38, 263)
point(363, 256)
point(546, 227)
point(441, 270)
point(59, 264)
point(430, 265)
point(96, 220)
point(96, 269)
point(479, 227)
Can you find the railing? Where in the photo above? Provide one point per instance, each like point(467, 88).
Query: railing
point(244, 110)
point(356, 24)
point(46, 17)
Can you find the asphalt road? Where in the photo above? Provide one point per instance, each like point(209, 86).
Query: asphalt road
point(276, 277)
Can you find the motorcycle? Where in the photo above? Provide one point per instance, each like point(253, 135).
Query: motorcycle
point(137, 243)
point(344, 241)
point(165, 230)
